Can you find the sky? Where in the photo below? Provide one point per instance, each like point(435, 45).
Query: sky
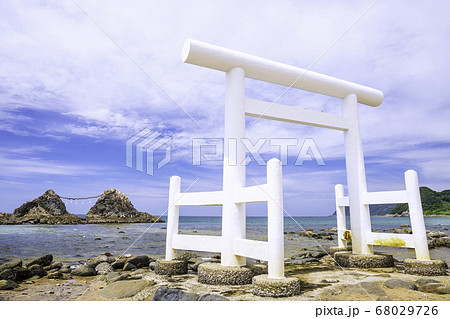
point(79, 78)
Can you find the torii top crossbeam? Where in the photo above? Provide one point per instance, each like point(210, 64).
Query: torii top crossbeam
point(222, 59)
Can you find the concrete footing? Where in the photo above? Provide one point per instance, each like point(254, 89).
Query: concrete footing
point(216, 274)
point(425, 267)
point(336, 249)
point(347, 259)
point(171, 267)
point(268, 287)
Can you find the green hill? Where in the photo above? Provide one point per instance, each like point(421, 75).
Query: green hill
point(433, 203)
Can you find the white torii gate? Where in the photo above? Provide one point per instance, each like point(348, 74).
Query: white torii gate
point(232, 244)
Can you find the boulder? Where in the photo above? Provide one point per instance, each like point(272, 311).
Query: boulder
point(84, 270)
point(424, 281)
point(435, 288)
point(22, 273)
point(103, 268)
point(93, 262)
point(212, 297)
point(45, 209)
point(115, 207)
point(129, 266)
point(112, 275)
point(119, 264)
point(303, 261)
point(165, 294)
point(11, 264)
point(398, 283)
point(140, 261)
point(437, 234)
point(125, 288)
point(54, 265)
point(43, 261)
point(55, 275)
point(8, 285)
point(8, 274)
point(65, 269)
point(37, 270)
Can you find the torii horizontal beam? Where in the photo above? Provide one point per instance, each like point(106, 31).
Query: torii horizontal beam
point(222, 59)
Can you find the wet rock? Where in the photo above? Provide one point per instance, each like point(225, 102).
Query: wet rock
point(119, 264)
point(165, 294)
point(309, 234)
point(212, 297)
point(441, 242)
point(44, 261)
point(112, 275)
point(437, 234)
point(53, 265)
point(398, 283)
point(65, 269)
point(8, 285)
point(125, 289)
point(140, 261)
point(115, 207)
point(11, 264)
point(404, 226)
point(103, 268)
point(115, 278)
point(84, 270)
point(55, 275)
point(37, 270)
point(129, 266)
point(303, 261)
point(8, 274)
point(22, 273)
point(309, 254)
point(93, 262)
point(328, 238)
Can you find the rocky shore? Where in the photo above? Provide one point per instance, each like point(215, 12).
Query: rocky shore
point(126, 277)
point(113, 206)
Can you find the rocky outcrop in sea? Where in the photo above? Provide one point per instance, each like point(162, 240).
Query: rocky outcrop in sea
point(45, 209)
point(115, 207)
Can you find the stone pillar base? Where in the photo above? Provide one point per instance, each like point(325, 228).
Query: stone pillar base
point(216, 274)
point(425, 267)
point(268, 287)
point(347, 259)
point(336, 249)
point(171, 267)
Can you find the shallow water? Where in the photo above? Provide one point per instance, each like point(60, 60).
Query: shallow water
point(72, 243)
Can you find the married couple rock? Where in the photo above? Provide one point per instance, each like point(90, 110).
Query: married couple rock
point(113, 206)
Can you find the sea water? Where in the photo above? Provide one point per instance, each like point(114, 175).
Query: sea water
point(72, 243)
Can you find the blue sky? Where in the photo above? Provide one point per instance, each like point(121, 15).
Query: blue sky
point(70, 97)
